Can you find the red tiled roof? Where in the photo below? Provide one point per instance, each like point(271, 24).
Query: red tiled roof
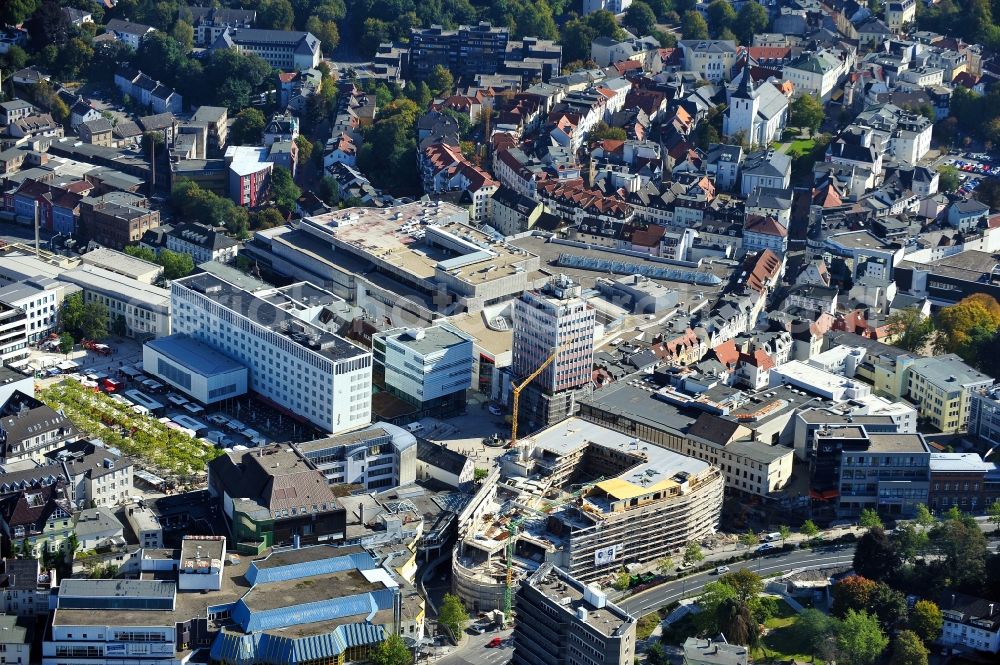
point(727, 354)
point(767, 225)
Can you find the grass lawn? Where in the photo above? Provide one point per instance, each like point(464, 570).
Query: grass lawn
point(781, 643)
point(801, 147)
point(646, 624)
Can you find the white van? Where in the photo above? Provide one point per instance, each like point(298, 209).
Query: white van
point(771, 537)
point(415, 428)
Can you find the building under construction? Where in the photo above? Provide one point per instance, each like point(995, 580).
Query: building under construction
point(588, 500)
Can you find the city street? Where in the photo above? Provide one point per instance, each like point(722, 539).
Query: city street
point(665, 594)
point(473, 650)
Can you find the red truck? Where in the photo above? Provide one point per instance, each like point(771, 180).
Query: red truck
point(111, 385)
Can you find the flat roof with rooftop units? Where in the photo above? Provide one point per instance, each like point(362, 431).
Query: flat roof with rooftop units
point(273, 310)
point(427, 243)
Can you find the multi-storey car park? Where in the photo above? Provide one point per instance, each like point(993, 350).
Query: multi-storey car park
point(588, 500)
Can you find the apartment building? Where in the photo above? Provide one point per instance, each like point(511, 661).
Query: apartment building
point(29, 430)
point(739, 444)
point(40, 300)
point(13, 334)
point(942, 388)
point(117, 219)
point(25, 588)
point(562, 621)
point(202, 243)
point(969, 622)
point(889, 474)
point(288, 50)
point(281, 338)
point(984, 415)
point(959, 479)
point(430, 368)
point(465, 52)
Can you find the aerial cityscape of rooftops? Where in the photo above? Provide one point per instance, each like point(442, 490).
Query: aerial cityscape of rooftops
point(576, 332)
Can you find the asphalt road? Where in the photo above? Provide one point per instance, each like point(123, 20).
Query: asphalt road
point(665, 594)
point(473, 650)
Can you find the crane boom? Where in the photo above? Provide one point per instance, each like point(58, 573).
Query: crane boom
point(516, 394)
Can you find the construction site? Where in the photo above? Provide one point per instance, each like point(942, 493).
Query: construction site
point(589, 500)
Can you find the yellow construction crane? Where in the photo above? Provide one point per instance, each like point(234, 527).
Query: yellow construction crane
point(516, 394)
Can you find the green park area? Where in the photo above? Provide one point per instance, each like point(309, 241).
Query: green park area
point(142, 437)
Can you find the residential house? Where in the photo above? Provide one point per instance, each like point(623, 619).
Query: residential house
point(202, 243)
point(765, 168)
point(814, 73)
point(38, 522)
point(127, 32)
point(29, 429)
point(97, 132)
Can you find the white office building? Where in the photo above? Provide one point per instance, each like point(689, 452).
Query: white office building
point(194, 368)
point(40, 299)
point(558, 320)
point(430, 368)
point(135, 309)
point(292, 358)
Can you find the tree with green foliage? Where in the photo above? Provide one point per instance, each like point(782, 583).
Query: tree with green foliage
point(75, 58)
point(329, 190)
point(140, 252)
point(326, 31)
point(752, 19)
point(910, 328)
point(639, 18)
point(602, 131)
point(988, 191)
point(657, 655)
point(453, 615)
point(909, 542)
point(747, 584)
point(926, 620)
point(961, 548)
point(66, 343)
point(175, 264)
point(948, 178)
point(737, 623)
point(693, 553)
point(875, 556)
point(809, 529)
point(388, 156)
point(305, 148)
point(183, 32)
point(48, 25)
point(721, 17)
point(275, 15)
point(391, 651)
point(784, 531)
point(813, 628)
point(807, 113)
point(889, 605)
point(193, 203)
point(622, 580)
point(268, 218)
point(440, 81)
point(247, 127)
point(665, 566)
point(907, 649)
point(860, 639)
point(86, 320)
point(284, 191)
point(870, 520)
point(16, 12)
point(924, 517)
point(693, 26)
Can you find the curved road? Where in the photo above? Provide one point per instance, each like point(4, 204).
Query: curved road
point(664, 594)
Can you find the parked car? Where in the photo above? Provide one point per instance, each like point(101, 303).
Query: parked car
point(494, 643)
point(722, 570)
